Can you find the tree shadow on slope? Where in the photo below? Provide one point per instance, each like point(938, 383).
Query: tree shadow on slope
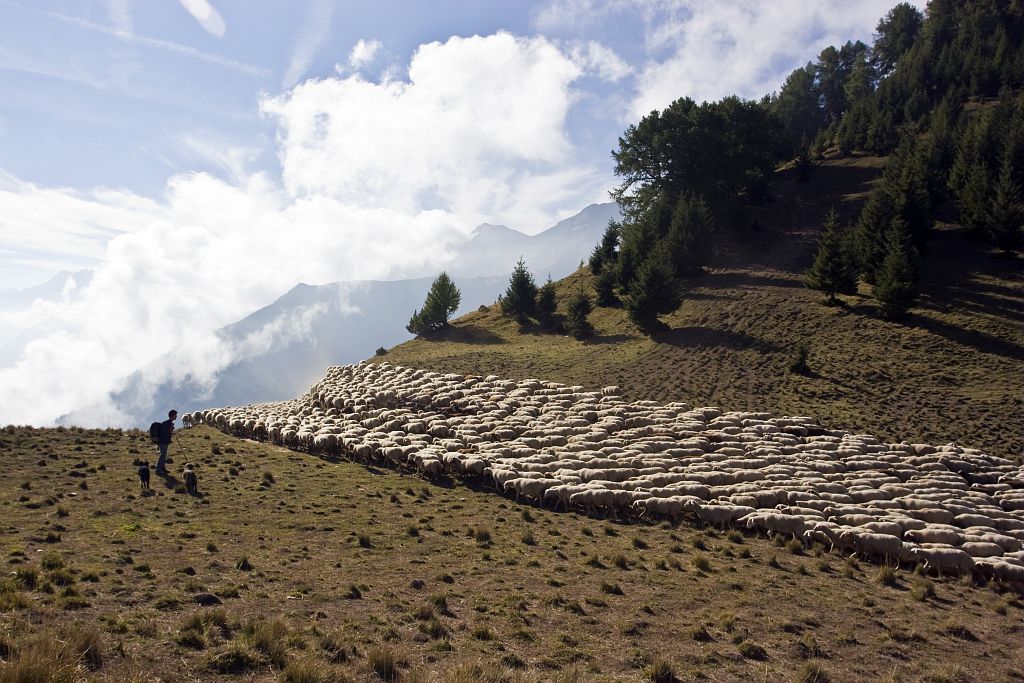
point(709, 337)
point(467, 334)
point(962, 298)
point(980, 341)
point(741, 279)
point(611, 338)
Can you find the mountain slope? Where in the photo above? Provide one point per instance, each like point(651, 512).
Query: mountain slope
point(953, 372)
point(279, 350)
point(556, 251)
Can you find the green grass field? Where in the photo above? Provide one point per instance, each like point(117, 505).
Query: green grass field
point(330, 571)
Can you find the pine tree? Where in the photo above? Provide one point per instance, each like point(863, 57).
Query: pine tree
point(604, 287)
point(689, 235)
point(604, 253)
point(974, 198)
point(546, 304)
point(442, 300)
point(869, 233)
point(416, 324)
point(833, 270)
point(653, 293)
point(910, 192)
point(576, 321)
point(520, 299)
point(1006, 215)
point(896, 289)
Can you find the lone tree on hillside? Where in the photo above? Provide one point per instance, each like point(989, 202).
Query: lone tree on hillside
point(576, 322)
point(520, 299)
point(833, 271)
point(442, 300)
point(896, 289)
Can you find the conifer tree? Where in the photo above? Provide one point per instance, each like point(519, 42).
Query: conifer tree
point(896, 289)
point(689, 235)
point(442, 300)
point(546, 304)
point(1006, 215)
point(833, 270)
point(520, 299)
point(604, 253)
point(604, 287)
point(576, 321)
point(870, 231)
point(974, 198)
point(653, 293)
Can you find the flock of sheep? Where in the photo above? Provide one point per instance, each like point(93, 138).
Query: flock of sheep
point(952, 509)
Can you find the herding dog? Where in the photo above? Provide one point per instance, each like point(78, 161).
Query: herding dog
point(191, 481)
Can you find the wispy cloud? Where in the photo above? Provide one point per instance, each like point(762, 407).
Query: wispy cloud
point(232, 160)
point(145, 41)
point(601, 60)
point(312, 34)
point(207, 16)
point(11, 60)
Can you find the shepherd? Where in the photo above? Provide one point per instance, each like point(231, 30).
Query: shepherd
point(166, 432)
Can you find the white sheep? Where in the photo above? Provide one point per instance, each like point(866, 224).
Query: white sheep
point(773, 522)
point(864, 543)
point(717, 515)
point(944, 559)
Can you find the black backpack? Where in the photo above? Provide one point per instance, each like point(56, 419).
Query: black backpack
point(154, 432)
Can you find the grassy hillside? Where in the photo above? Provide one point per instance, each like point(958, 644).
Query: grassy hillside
point(328, 571)
point(952, 372)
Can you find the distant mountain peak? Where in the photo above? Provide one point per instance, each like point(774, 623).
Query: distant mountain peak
point(491, 230)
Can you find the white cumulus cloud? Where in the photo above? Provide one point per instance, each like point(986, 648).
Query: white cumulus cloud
point(707, 49)
point(363, 53)
point(477, 120)
point(380, 180)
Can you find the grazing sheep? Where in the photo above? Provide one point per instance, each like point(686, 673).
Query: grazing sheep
point(563, 445)
point(773, 522)
point(934, 535)
point(867, 544)
point(981, 549)
point(943, 560)
point(999, 569)
point(717, 515)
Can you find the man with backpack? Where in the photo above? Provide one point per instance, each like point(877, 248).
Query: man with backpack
point(161, 433)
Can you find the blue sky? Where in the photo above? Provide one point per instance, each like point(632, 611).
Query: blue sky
point(204, 156)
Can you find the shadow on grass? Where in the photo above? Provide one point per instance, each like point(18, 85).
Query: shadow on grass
point(611, 339)
point(467, 334)
point(698, 337)
point(980, 341)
